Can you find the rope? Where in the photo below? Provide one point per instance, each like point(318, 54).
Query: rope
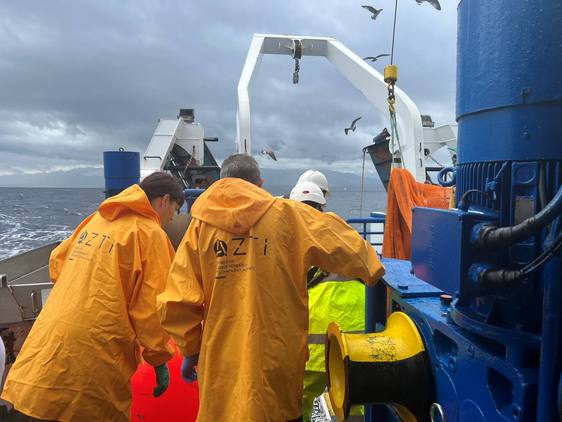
point(394, 137)
point(362, 184)
point(393, 33)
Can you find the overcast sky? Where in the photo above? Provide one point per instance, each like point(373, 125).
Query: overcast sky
point(81, 77)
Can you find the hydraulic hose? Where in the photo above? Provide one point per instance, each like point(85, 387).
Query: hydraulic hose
point(490, 236)
point(500, 278)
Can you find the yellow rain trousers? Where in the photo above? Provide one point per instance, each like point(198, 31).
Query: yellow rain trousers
point(237, 295)
point(83, 348)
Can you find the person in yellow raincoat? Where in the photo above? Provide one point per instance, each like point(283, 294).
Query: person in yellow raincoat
point(78, 359)
point(331, 297)
point(237, 296)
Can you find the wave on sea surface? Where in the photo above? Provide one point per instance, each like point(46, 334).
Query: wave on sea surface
point(17, 236)
point(33, 217)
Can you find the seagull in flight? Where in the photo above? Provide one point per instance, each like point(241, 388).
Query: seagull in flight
point(375, 58)
point(374, 11)
point(434, 3)
point(270, 153)
point(353, 126)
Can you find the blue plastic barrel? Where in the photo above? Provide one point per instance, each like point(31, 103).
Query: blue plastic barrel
point(121, 169)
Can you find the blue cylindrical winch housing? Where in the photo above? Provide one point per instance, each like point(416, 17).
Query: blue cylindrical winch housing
point(121, 169)
point(509, 80)
point(509, 112)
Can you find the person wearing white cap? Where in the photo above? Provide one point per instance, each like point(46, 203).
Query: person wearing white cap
point(331, 297)
point(318, 179)
point(310, 194)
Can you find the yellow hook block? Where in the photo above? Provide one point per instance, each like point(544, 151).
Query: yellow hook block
point(391, 74)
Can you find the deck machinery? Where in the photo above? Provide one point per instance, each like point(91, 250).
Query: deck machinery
point(484, 283)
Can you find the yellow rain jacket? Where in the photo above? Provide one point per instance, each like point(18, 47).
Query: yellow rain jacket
point(84, 347)
point(237, 295)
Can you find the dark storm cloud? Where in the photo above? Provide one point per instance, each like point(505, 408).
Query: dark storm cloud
point(81, 77)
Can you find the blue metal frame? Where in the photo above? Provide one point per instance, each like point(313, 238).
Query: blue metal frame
point(191, 196)
point(375, 218)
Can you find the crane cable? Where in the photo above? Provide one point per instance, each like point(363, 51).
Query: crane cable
point(390, 77)
point(393, 32)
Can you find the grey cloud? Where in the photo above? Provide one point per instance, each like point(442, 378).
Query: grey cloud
point(108, 70)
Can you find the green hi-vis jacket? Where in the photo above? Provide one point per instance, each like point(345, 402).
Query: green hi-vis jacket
point(342, 301)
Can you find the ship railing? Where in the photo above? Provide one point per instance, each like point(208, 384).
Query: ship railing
point(370, 228)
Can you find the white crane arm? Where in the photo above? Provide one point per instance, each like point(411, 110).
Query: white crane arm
point(361, 75)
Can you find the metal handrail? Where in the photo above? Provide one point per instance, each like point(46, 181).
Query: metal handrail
point(375, 218)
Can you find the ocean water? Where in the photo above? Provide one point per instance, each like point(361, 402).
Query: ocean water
point(33, 217)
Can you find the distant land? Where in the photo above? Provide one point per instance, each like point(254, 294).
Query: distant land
point(276, 180)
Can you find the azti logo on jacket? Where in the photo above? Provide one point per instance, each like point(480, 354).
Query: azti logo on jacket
point(220, 248)
point(239, 254)
point(89, 243)
point(238, 246)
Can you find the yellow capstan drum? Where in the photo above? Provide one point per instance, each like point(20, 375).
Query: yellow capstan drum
point(390, 367)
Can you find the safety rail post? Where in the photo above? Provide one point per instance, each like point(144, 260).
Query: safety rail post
point(375, 218)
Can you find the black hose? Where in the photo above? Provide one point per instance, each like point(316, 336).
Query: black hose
point(464, 203)
point(500, 278)
point(545, 256)
point(491, 236)
point(497, 278)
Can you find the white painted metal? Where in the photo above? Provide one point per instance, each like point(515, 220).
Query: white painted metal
point(190, 136)
point(361, 75)
point(435, 138)
point(159, 147)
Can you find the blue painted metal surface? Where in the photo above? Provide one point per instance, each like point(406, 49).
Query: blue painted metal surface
point(399, 278)
point(509, 103)
point(438, 234)
point(121, 169)
point(496, 352)
point(475, 379)
point(191, 196)
point(509, 80)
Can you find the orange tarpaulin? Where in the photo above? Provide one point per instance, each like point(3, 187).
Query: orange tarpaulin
point(404, 193)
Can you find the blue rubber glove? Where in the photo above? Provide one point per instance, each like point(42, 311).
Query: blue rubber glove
point(188, 371)
point(162, 380)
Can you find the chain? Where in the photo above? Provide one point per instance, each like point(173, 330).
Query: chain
point(391, 98)
point(297, 54)
point(296, 72)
